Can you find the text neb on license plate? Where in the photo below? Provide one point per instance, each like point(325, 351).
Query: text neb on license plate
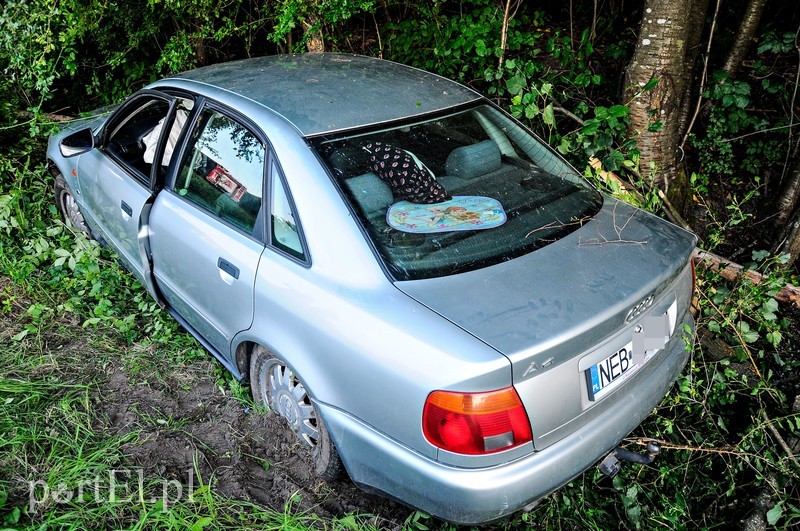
point(648, 338)
point(604, 376)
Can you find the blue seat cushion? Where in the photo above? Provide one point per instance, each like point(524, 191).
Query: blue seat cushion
point(468, 162)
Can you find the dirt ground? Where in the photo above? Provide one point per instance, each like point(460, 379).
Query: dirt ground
point(180, 420)
point(250, 455)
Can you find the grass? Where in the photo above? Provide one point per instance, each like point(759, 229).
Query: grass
point(59, 465)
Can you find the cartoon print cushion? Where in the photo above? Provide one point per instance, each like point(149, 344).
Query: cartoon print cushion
point(407, 176)
point(462, 212)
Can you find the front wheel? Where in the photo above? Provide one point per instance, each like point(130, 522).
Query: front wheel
point(68, 206)
point(275, 385)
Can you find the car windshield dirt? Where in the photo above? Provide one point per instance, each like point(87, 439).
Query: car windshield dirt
point(458, 192)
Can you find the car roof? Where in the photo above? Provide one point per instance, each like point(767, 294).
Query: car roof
point(324, 92)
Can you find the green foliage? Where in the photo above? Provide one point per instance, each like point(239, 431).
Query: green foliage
point(747, 314)
point(461, 44)
point(315, 14)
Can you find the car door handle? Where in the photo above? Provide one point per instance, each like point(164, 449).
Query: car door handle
point(126, 209)
point(228, 268)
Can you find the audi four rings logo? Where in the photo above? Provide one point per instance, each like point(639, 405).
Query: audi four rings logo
point(637, 310)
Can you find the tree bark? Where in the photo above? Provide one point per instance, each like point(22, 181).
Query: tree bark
point(697, 19)
point(787, 200)
point(313, 31)
point(733, 272)
point(744, 37)
point(663, 53)
point(789, 239)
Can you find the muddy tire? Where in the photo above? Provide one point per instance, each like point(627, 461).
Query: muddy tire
point(276, 386)
point(68, 206)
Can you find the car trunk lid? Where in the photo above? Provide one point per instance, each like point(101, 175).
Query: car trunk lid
point(549, 310)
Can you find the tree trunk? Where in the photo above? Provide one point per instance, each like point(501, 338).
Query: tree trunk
point(789, 194)
point(789, 240)
point(313, 31)
point(697, 21)
point(662, 52)
point(744, 37)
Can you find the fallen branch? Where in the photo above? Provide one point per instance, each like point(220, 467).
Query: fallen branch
point(50, 116)
point(669, 210)
point(781, 441)
point(732, 271)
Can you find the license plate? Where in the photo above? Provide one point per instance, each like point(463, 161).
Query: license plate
point(604, 376)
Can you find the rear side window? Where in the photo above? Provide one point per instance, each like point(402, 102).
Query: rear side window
point(223, 170)
point(283, 222)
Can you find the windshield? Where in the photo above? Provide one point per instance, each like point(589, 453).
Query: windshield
point(458, 192)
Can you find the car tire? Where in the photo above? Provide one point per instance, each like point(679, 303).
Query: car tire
point(68, 206)
point(275, 385)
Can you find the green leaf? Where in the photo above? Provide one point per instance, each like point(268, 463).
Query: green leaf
point(774, 514)
point(603, 140)
point(618, 111)
point(774, 338)
point(741, 101)
point(728, 100)
point(515, 84)
point(750, 337)
point(650, 85)
point(771, 305)
point(549, 117)
point(202, 523)
point(20, 336)
point(613, 161)
point(656, 126)
point(601, 112)
point(759, 256)
point(591, 126)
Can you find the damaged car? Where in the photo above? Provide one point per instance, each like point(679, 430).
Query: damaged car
point(435, 302)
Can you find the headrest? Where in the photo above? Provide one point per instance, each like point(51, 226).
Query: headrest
point(371, 193)
point(474, 160)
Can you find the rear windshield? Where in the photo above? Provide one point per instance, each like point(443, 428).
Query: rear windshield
point(458, 192)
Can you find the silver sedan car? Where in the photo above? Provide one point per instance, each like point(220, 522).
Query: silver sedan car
point(433, 299)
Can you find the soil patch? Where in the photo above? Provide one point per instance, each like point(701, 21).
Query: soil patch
point(187, 427)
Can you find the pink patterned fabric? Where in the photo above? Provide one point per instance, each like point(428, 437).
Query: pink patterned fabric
point(408, 178)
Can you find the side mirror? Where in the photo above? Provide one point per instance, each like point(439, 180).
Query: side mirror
point(77, 143)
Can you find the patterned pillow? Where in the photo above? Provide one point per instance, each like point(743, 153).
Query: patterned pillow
point(407, 176)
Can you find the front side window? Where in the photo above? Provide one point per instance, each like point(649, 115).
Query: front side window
point(223, 170)
point(126, 139)
point(456, 193)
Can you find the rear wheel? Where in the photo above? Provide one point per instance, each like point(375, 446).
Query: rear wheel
point(275, 385)
point(68, 206)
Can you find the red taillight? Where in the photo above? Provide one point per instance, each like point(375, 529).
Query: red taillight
point(475, 423)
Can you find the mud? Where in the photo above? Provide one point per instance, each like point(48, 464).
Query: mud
point(187, 425)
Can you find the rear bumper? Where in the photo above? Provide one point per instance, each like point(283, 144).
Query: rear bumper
point(479, 495)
